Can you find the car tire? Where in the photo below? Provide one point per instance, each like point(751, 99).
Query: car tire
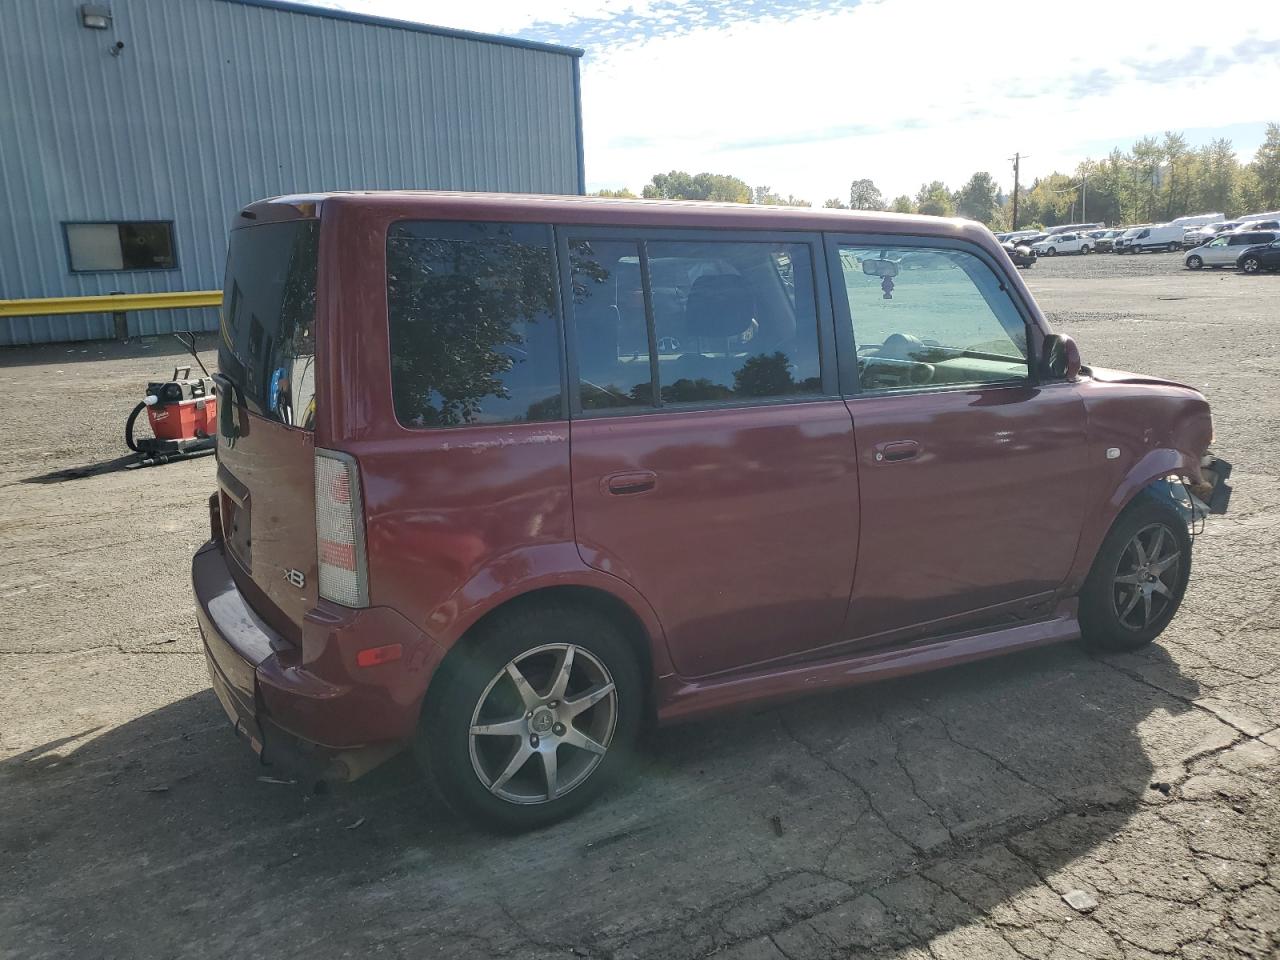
point(1121, 607)
point(1052, 251)
point(1250, 265)
point(479, 774)
point(1194, 263)
point(1174, 247)
point(1084, 249)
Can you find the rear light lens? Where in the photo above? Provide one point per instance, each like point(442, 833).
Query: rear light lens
point(340, 530)
point(215, 517)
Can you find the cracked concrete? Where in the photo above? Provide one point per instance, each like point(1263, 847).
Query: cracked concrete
point(942, 817)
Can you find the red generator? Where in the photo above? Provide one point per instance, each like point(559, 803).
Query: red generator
point(183, 413)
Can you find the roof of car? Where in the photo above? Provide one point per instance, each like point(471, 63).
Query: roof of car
point(608, 211)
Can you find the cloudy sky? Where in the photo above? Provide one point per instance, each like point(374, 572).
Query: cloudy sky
point(807, 95)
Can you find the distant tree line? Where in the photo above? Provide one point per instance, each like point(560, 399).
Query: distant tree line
point(1157, 179)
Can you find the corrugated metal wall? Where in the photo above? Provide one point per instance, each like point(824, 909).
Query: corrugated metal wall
point(212, 103)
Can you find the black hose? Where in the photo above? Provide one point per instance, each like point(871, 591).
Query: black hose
point(128, 427)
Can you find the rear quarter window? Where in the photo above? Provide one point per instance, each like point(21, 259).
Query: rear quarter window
point(471, 309)
point(267, 345)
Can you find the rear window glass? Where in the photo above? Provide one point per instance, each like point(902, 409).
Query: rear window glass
point(471, 308)
point(732, 322)
point(267, 348)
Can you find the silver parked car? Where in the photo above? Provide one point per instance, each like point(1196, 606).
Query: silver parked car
point(1223, 251)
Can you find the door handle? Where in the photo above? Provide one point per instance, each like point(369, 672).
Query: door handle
point(639, 481)
point(896, 450)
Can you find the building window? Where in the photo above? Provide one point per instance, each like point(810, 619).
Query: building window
point(128, 245)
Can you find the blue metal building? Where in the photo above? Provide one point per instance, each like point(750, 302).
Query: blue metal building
point(131, 131)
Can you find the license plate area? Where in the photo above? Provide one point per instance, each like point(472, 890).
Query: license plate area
point(236, 510)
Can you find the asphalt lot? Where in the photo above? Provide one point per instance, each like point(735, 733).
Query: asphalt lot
point(943, 816)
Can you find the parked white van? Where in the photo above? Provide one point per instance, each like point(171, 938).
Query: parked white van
point(1163, 236)
point(1155, 237)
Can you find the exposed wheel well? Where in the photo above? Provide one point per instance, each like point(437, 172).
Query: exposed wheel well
point(598, 601)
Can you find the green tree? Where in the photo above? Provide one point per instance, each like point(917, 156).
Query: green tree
point(1217, 186)
point(903, 204)
point(835, 203)
point(620, 194)
point(679, 185)
point(767, 197)
point(977, 199)
point(1148, 157)
point(1266, 169)
point(1175, 153)
point(865, 195)
point(935, 200)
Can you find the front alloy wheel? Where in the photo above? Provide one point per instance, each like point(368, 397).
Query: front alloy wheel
point(1146, 576)
point(1251, 265)
point(1139, 576)
point(1194, 263)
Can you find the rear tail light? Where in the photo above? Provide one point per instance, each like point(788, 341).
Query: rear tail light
point(340, 530)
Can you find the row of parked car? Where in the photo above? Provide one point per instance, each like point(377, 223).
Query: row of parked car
point(1251, 243)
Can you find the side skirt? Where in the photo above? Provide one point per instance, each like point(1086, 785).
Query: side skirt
point(680, 699)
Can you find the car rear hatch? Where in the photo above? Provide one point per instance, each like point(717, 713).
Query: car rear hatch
point(266, 378)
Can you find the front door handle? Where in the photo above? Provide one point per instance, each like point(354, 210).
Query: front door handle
point(896, 450)
point(638, 481)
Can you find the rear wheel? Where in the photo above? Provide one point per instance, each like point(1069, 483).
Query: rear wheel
point(1174, 248)
point(1085, 248)
point(1251, 265)
point(1138, 577)
point(1194, 262)
point(541, 711)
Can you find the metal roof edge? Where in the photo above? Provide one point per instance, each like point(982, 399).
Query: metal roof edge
point(306, 9)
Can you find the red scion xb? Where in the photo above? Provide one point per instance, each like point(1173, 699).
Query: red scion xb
point(503, 478)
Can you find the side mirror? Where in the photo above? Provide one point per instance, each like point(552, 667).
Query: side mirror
point(1060, 358)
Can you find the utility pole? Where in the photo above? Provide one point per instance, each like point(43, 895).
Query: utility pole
point(1017, 160)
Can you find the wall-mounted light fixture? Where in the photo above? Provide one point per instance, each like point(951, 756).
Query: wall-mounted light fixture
point(95, 16)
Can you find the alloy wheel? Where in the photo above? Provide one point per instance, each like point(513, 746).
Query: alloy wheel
point(1146, 577)
point(1251, 265)
point(543, 724)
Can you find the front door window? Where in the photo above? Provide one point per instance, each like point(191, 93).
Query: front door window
point(930, 317)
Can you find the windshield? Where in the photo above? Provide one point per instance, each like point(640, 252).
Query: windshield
point(267, 343)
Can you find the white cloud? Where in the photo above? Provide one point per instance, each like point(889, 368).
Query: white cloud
point(901, 91)
point(943, 68)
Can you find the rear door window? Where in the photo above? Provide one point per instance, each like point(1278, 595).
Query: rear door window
point(707, 321)
point(267, 347)
point(472, 309)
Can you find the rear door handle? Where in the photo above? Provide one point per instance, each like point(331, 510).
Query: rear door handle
point(896, 450)
point(638, 481)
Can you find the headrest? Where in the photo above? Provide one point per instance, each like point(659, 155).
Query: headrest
point(719, 306)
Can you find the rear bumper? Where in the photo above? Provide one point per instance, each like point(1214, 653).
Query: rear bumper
point(272, 690)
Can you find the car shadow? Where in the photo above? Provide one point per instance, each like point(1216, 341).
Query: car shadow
point(165, 837)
